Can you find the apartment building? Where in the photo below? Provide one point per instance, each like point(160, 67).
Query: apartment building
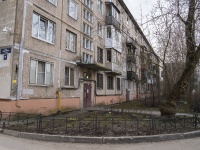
point(70, 54)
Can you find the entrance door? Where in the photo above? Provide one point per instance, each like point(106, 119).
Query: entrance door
point(87, 95)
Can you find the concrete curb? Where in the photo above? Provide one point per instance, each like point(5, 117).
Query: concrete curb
point(101, 140)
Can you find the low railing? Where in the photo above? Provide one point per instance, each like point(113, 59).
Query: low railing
point(99, 124)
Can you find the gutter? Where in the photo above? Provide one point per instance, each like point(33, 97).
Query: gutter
point(20, 64)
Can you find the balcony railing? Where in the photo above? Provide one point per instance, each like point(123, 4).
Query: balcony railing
point(143, 66)
point(130, 41)
point(144, 79)
point(131, 75)
point(110, 20)
point(114, 68)
point(131, 58)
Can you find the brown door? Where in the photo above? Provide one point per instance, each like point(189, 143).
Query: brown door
point(87, 95)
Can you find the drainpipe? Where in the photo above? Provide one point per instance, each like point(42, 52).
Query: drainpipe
point(20, 63)
point(58, 92)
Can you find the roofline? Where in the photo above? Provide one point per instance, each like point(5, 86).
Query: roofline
point(135, 23)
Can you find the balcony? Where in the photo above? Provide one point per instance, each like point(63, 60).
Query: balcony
point(115, 69)
point(93, 66)
point(130, 41)
point(144, 79)
point(110, 20)
point(143, 67)
point(132, 75)
point(131, 58)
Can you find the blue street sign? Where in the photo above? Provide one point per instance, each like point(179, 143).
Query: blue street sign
point(6, 50)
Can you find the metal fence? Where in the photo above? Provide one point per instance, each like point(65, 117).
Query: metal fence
point(98, 125)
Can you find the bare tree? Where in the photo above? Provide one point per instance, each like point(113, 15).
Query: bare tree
point(176, 26)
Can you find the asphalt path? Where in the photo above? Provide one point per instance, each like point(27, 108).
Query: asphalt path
point(14, 143)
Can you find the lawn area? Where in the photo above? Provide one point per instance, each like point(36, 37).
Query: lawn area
point(148, 105)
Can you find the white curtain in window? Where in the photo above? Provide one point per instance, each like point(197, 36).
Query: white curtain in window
point(33, 66)
point(49, 74)
point(35, 25)
point(41, 73)
point(43, 29)
point(50, 31)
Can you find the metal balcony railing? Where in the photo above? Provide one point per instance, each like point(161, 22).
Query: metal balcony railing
point(110, 20)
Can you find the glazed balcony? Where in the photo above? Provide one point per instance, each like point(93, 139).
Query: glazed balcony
point(131, 58)
point(131, 75)
point(114, 68)
point(130, 42)
point(110, 20)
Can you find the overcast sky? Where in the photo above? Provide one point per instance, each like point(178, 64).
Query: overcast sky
point(135, 6)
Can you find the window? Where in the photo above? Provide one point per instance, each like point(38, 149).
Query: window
point(115, 13)
point(42, 28)
point(110, 82)
point(109, 33)
point(109, 55)
point(87, 59)
point(69, 76)
point(100, 30)
point(88, 16)
point(88, 3)
point(70, 41)
point(99, 81)
point(100, 6)
point(54, 2)
point(41, 72)
point(87, 44)
point(118, 84)
point(99, 55)
point(72, 9)
point(87, 29)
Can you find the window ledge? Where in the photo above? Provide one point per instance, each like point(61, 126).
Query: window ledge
point(68, 87)
point(42, 40)
point(70, 50)
point(75, 19)
point(40, 85)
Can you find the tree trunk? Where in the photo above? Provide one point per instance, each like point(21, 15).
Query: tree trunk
point(192, 58)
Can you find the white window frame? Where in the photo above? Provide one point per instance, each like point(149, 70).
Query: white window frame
point(54, 2)
point(100, 6)
point(87, 44)
point(100, 29)
point(49, 25)
point(71, 45)
point(87, 15)
point(35, 71)
point(86, 58)
point(75, 16)
point(69, 84)
point(87, 29)
point(88, 3)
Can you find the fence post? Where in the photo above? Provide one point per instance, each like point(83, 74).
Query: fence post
point(152, 123)
point(53, 123)
point(27, 120)
point(66, 125)
point(0, 115)
point(125, 124)
point(39, 121)
point(17, 118)
point(195, 120)
point(95, 124)
point(184, 121)
point(137, 124)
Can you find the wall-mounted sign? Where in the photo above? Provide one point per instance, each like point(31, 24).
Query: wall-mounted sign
point(5, 52)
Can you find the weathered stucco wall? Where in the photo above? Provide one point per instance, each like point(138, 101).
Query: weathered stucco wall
point(7, 19)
